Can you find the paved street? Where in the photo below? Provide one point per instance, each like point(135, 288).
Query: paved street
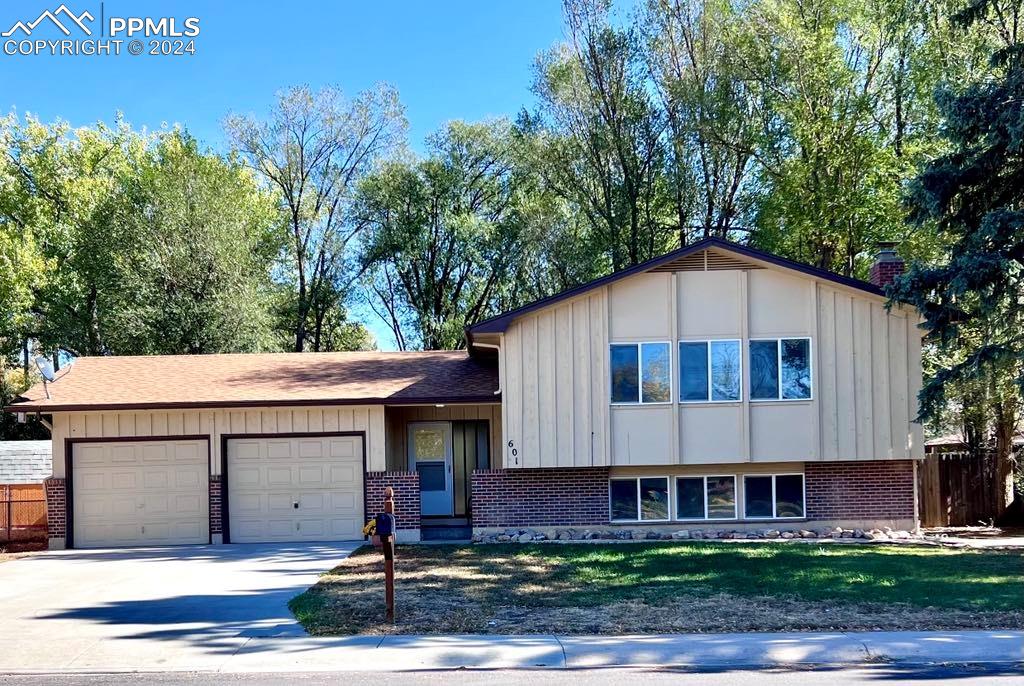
point(880, 674)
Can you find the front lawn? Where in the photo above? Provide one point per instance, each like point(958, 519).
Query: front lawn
point(668, 588)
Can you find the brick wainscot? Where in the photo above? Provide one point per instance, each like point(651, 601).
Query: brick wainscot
point(407, 501)
point(853, 495)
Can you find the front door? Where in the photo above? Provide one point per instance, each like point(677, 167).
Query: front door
point(430, 455)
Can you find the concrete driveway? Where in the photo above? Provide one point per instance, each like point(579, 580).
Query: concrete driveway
point(151, 609)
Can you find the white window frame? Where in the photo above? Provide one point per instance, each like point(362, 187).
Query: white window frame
point(640, 374)
point(778, 357)
point(707, 517)
point(775, 515)
point(707, 344)
point(668, 488)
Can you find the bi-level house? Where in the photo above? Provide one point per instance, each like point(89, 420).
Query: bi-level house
point(714, 387)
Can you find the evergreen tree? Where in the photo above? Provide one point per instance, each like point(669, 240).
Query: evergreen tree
point(973, 303)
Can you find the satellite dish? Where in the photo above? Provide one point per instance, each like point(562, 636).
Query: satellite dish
point(45, 368)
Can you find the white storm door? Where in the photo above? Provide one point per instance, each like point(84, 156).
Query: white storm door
point(430, 455)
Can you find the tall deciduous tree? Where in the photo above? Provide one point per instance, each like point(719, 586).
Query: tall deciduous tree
point(713, 126)
point(973, 302)
point(312, 149)
point(196, 239)
point(603, 135)
point(445, 233)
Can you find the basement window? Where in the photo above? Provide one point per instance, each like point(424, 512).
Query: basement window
point(705, 497)
point(773, 496)
point(639, 499)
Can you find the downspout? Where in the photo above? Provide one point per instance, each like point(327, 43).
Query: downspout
point(492, 346)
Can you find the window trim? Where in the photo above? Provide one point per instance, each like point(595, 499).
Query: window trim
point(775, 515)
point(707, 345)
point(668, 488)
point(640, 374)
point(706, 518)
point(778, 360)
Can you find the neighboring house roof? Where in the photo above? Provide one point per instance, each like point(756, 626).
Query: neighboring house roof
point(500, 323)
point(276, 379)
point(25, 462)
point(956, 440)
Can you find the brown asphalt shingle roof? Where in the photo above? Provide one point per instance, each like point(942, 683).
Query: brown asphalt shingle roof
point(240, 380)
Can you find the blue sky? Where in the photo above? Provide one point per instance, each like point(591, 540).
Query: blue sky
point(450, 59)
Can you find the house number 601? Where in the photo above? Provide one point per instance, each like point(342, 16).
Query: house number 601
point(512, 449)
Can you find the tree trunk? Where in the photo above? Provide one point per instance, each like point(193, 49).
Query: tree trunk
point(1005, 459)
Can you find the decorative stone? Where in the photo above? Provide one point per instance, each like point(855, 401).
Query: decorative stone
point(770, 533)
point(787, 534)
point(682, 533)
point(807, 533)
point(524, 538)
point(858, 533)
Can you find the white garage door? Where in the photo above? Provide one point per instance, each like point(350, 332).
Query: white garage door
point(140, 493)
point(295, 489)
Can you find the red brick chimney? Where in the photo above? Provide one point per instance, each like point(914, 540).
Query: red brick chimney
point(888, 265)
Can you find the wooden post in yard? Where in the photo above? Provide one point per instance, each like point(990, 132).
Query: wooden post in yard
point(389, 557)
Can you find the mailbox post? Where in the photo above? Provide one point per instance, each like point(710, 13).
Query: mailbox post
point(386, 531)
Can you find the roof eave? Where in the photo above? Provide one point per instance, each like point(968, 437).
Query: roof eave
point(500, 323)
point(30, 407)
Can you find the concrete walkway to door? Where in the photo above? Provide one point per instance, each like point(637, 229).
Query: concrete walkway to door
point(187, 607)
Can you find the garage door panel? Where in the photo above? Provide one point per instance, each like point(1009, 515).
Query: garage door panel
point(342, 474)
point(124, 481)
point(278, 476)
point(341, 448)
point(244, 477)
point(320, 474)
point(186, 478)
point(312, 475)
point(157, 452)
point(278, 449)
point(154, 479)
point(140, 493)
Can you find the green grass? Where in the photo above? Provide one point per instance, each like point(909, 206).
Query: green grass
point(689, 586)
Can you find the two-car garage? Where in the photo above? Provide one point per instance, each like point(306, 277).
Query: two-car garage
point(156, 491)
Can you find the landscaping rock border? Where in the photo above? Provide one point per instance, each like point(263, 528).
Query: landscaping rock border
point(517, 535)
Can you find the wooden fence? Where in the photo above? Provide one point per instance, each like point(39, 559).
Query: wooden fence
point(956, 489)
point(22, 512)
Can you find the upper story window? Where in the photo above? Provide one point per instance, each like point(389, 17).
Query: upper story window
point(709, 371)
point(780, 369)
point(641, 372)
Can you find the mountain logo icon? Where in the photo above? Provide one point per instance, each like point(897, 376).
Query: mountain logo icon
point(28, 28)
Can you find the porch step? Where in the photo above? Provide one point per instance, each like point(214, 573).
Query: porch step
point(446, 533)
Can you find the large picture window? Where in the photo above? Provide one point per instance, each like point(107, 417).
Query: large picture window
point(705, 497)
point(641, 372)
point(773, 496)
point(780, 369)
point(709, 371)
point(639, 499)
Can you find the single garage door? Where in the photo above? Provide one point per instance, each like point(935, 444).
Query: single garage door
point(140, 493)
point(295, 489)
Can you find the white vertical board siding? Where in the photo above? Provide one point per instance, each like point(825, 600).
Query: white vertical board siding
point(215, 423)
point(555, 386)
point(868, 380)
point(865, 361)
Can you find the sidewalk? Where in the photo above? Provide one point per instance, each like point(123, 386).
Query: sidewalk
point(292, 653)
point(399, 653)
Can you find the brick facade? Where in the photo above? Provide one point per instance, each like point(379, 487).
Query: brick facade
point(56, 508)
point(216, 498)
point(540, 497)
point(878, 489)
point(407, 496)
